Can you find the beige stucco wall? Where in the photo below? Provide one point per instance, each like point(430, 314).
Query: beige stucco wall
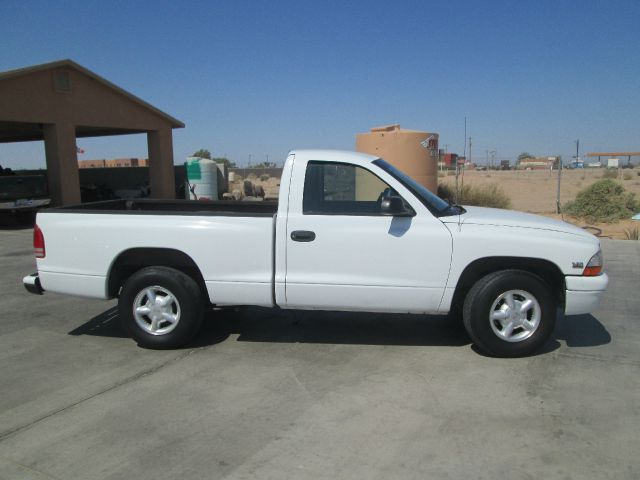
point(32, 98)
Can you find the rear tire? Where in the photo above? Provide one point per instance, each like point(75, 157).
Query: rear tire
point(510, 313)
point(161, 307)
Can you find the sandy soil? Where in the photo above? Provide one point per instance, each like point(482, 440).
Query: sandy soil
point(616, 231)
point(535, 191)
point(271, 185)
point(530, 191)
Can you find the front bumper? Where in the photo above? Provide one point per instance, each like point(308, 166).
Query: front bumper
point(584, 294)
point(32, 284)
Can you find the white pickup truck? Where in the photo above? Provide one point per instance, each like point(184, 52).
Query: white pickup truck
point(350, 232)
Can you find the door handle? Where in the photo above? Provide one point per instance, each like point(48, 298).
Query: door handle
point(303, 236)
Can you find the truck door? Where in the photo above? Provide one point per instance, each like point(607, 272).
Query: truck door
point(342, 253)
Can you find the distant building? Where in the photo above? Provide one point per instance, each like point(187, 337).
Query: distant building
point(91, 163)
point(449, 160)
point(114, 162)
point(542, 163)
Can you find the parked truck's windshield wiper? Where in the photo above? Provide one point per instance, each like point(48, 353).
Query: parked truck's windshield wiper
point(460, 208)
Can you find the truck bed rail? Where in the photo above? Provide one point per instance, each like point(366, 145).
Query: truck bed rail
point(174, 207)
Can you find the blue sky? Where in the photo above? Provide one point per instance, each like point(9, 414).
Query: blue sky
point(260, 78)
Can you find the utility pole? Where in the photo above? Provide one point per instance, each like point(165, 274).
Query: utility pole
point(487, 161)
point(465, 157)
point(559, 178)
point(465, 164)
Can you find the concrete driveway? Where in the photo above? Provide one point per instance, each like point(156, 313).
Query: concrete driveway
point(269, 395)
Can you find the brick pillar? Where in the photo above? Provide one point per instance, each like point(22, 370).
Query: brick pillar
point(62, 163)
point(161, 175)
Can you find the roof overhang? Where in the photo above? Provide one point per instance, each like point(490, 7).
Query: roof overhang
point(613, 154)
point(29, 132)
point(70, 64)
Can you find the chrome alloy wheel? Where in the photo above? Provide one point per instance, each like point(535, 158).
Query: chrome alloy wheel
point(515, 315)
point(156, 310)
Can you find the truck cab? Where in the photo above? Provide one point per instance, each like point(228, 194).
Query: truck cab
point(352, 235)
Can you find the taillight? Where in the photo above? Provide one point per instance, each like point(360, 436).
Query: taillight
point(594, 267)
point(38, 242)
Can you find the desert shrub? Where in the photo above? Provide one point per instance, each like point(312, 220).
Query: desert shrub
point(632, 234)
point(603, 201)
point(490, 195)
point(264, 177)
point(627, 175)
point(610, 173)
point(638, 173)
point(447, 192)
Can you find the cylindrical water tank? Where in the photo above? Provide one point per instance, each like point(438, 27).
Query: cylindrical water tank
point(202, 179)
point(412, 151)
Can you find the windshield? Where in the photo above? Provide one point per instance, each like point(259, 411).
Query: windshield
point(435, 204)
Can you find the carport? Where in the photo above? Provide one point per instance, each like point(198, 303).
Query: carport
point(61, 101)
point(614, 155)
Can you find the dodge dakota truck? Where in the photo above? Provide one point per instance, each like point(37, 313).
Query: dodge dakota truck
point(350, 232)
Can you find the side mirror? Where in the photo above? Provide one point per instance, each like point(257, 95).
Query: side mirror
point(395, 206)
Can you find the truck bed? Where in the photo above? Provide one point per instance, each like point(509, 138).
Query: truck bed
point(174, 207)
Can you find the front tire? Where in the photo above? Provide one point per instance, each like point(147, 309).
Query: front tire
point(510, 313)
point(161, 307)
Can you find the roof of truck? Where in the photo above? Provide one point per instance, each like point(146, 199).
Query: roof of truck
point(334, 155)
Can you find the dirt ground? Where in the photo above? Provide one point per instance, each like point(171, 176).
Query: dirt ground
point(617, 231)
point(271, 185)
point(531, 191)
point(534, 191)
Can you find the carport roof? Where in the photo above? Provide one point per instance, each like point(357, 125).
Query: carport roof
point(67, 63)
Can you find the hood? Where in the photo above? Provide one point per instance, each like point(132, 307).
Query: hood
point(510, 218)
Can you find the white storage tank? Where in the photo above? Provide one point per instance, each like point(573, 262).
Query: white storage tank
point(202, 179)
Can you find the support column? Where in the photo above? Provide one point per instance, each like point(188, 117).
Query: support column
point(161, 175)
point(62, 163)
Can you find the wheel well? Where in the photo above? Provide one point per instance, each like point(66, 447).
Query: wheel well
point(547, 271)
point(130, 261)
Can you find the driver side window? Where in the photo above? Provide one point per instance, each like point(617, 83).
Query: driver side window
point(342, 189)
